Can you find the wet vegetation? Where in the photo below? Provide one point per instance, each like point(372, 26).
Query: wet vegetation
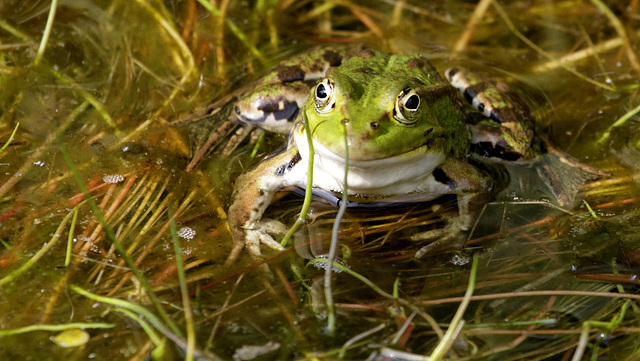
point(113, 248)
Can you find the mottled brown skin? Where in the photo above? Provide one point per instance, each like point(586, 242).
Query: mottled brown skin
point(251, 198)
point(398, 114)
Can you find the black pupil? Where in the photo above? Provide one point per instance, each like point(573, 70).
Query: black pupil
point(412, 102)
point(321, 92)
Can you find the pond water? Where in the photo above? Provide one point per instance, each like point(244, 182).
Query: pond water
point(94, 111)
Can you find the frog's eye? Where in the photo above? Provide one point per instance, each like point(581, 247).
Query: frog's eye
point(407, 107)
point(324, 96)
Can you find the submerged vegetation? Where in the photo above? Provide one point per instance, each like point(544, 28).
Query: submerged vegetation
point(110, 249)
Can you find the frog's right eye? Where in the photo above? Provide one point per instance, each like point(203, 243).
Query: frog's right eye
point(407, 107)
point(324, 96)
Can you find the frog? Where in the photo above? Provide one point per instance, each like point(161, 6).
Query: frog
point(399, 130)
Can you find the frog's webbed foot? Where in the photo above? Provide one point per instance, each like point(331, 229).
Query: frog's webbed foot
point(214, 127)
point(236, 139)
point(564, 174)
point(200, 148)
point(263, 234)
point(251, 239)
point(456, 230)
point(208, 128)
point(454, 234)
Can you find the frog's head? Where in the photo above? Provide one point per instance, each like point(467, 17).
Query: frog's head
point(391, 106)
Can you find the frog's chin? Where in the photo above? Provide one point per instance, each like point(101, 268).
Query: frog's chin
point(399, 174)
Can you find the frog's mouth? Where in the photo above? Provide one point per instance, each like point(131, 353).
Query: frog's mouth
point(410, 157)
point(396, 174)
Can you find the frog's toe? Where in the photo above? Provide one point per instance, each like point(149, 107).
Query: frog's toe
point(443, 240)
point(255, 238)
point(431, 235)
point(453, 235)
point(262, 234)
point(271, 226)
point(437, 236)
point(451, 231)
point(426, 249)
point(252, 243)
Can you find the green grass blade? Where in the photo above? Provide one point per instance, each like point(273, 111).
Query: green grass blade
point(66, 326)
point(449, 337)
point(328, 292)
point(67, 259)
point(47, 32)
point(184, 291)
point(307, 192)
point(13, 134)
point(36, 257)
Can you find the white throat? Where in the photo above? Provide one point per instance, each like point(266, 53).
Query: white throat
point(401, 174)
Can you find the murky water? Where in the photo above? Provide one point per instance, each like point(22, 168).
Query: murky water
point(115, 74)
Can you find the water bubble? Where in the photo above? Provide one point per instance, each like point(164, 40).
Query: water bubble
point(323, 265)
point(84, 238)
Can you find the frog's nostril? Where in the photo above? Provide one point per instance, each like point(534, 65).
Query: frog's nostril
point(344, 121)
point(374, 125)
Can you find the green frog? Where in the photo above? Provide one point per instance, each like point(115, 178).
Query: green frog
point(408, 136)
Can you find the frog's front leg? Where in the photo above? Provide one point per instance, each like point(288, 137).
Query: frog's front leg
point(473, 187)
point(253, 194)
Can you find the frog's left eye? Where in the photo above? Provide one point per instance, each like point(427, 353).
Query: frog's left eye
point(324, 96)
point(407, 107)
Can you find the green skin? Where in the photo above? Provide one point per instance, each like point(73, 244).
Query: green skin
point(398, 151)
point(366, 90)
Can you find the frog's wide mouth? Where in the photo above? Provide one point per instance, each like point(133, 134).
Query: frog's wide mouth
point(395, 174)
point(413, 156)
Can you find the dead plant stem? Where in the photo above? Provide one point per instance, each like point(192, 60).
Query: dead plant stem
point(474, 20)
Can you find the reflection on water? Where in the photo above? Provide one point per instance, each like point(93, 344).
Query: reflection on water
point(114, 74)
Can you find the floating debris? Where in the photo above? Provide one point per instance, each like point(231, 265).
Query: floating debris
point(251, 352)
point(71, 338)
